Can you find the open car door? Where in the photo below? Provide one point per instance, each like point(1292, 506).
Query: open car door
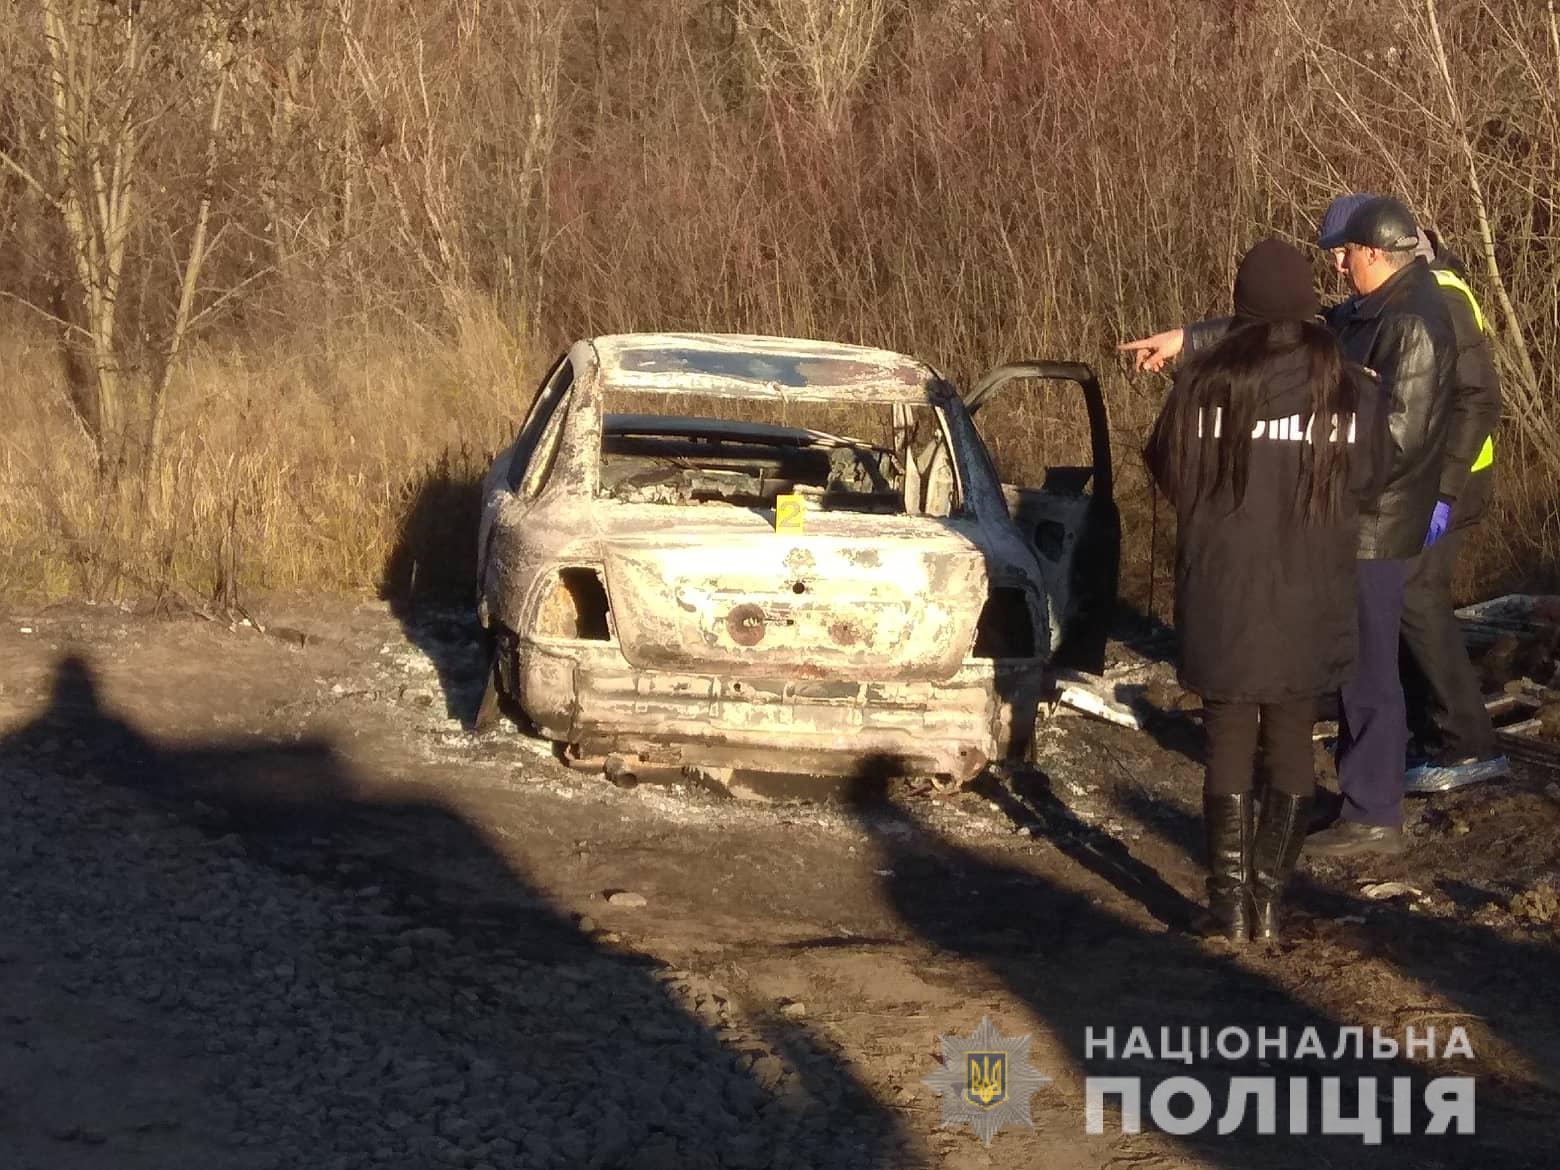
point(1070, 520)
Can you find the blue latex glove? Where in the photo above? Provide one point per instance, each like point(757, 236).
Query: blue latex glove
point(1439, 519)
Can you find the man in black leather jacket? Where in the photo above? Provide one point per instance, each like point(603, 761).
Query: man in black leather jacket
point(1445, 702)
point(1399, 326)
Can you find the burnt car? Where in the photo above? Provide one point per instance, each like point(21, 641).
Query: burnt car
point(728, 552)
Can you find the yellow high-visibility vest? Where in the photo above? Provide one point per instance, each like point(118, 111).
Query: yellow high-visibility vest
point(1448, 279)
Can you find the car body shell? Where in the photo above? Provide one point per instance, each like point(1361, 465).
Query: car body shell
point(666, 632)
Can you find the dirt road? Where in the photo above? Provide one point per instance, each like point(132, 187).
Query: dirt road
point(267, 903)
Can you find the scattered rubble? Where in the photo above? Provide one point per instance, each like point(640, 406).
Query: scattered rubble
point(1539, 905)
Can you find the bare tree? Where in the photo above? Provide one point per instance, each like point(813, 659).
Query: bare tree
point(111, 80)
point(823, 47)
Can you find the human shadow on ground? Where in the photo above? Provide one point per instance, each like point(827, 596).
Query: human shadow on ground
point(1025, 796)
point(1084, 966)
point(268, 973)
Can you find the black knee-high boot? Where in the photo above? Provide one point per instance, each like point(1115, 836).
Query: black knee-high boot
point(1280, 834)
point(1227, 822)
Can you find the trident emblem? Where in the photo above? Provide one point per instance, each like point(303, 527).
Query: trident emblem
point(985, 1084)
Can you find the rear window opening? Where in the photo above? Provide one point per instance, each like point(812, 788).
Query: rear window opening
point(575, 607)
point(682, 449)
point(1006, 629)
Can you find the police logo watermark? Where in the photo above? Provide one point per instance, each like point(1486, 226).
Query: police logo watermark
point(986, 1081)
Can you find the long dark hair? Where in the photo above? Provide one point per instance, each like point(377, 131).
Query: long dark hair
point(1192, 457)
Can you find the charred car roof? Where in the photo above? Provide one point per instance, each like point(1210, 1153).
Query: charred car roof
point(736, 366)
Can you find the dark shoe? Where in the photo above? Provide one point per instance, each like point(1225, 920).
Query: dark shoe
point(1281, 830)
point(1354, 839)
point(1444, 773)
point(1227, 823)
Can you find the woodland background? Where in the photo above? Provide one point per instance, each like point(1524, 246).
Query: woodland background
point(276, 276)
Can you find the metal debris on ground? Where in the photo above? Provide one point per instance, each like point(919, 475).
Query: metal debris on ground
point(1137, 684)
point(1100, 696)
point(1514, 642)
point(1376, 891)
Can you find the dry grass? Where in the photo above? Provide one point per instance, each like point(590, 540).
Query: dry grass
point(283, 470)
point(415, 208)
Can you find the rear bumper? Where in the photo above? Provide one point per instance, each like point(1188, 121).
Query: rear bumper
point(589, 697)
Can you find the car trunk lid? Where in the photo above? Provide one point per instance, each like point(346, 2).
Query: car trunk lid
point(858, 597)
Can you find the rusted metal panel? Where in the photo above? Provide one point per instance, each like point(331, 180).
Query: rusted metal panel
point(951, 728)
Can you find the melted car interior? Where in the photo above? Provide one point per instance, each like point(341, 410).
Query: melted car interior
point(893, 459)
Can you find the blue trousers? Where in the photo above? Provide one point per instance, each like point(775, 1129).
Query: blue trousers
point(1373, 733)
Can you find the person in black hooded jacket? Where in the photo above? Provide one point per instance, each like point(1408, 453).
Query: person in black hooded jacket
point(1267, 445)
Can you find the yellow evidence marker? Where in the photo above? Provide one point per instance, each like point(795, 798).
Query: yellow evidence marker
point(789, 510)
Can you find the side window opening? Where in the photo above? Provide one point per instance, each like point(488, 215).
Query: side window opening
point(931, 485)
point(543, 411)
point(546, 454)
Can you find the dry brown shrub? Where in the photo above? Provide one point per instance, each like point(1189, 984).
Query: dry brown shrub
point(418, 205)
